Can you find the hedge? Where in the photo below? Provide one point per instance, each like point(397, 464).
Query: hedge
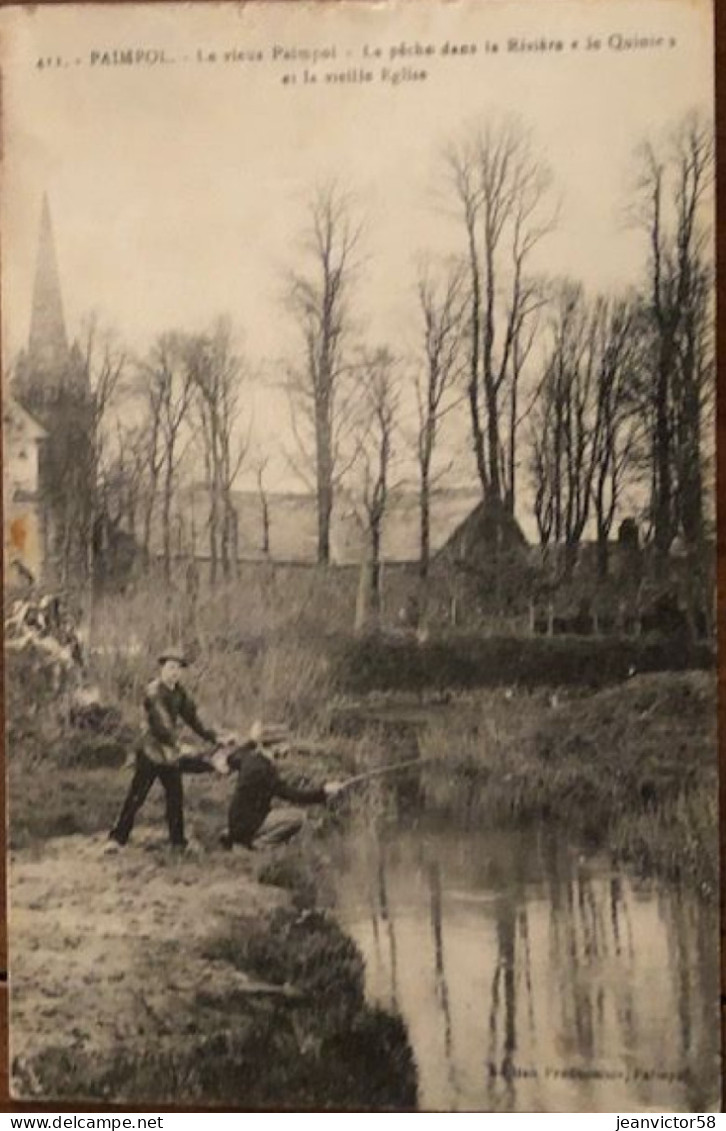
point(385, 663)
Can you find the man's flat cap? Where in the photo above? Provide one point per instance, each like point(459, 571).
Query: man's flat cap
point(176, 655)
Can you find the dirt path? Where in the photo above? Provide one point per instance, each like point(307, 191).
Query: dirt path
point(111, 946)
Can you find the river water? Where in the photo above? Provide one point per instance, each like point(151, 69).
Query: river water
point(530, 977)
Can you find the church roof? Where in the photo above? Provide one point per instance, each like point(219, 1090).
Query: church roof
point(19, 425)
point(48, 343)
point(49, 370)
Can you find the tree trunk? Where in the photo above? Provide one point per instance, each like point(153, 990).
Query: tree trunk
point(325, 495)
point(229, 552)
point(362, 602)
point(166, 522)
point(603, 526)
point(473, 381)
point(234, 519)
point(425, 508)
point(495, 481)
point(571, 548)
point(603, 551)
point(226, 541)
point(324, 469)
point(663, 502)
point(147, 521)
point(511, 493)
point(213, 535)
point(376, 567)
point(265, 526)
point(691, 486)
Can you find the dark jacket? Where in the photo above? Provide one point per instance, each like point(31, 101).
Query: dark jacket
point(258, 782)
point(163, 708)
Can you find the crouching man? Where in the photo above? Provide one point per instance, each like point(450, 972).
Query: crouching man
point(161, 756)
point(251, 821)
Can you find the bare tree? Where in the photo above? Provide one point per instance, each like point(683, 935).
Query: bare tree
point(167, 387)
point(525, 334)
point(617, 427)
point(217, 375)
point(585, 424)
point(104, 363)
point(501, 188)
point(443, 310)
point(693, 386)
point(260, 469)
point(123, 476)
point(152, 447)
point(562, 431)
point(377, 421)
point(319, 299)
point(673, 188)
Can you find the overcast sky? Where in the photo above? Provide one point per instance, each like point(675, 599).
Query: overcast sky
point(177, 190)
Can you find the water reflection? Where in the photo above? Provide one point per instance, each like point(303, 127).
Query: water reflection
point(532, 979)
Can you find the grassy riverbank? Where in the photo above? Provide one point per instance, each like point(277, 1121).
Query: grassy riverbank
point(217, 977)
point(144, 977)
point(630, 769)
point(214, 978)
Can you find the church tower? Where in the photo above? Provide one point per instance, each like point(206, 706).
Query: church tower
point(48, 343)
point(49, 369)
point(52, 383)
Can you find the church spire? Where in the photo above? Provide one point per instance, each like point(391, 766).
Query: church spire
point(48, 344)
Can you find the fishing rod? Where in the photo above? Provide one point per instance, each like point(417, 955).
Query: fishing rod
point(356, 779)
point(379, 771)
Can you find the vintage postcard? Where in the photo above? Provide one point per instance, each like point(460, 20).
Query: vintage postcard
point(359, 555)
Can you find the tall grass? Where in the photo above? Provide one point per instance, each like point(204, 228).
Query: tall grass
point(632, 769)
point(255, 651)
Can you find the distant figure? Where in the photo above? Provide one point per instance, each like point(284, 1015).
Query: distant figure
point(43, 628)
point(252, 822)
point(161, 754)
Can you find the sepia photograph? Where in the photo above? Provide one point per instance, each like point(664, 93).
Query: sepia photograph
point(359, 587)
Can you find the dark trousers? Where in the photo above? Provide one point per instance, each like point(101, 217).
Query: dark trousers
point(145, 774)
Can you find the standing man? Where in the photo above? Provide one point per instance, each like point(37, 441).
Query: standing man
point(160, 755)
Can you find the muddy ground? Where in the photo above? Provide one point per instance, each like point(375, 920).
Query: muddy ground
point(96, 931)
point(141, 974)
